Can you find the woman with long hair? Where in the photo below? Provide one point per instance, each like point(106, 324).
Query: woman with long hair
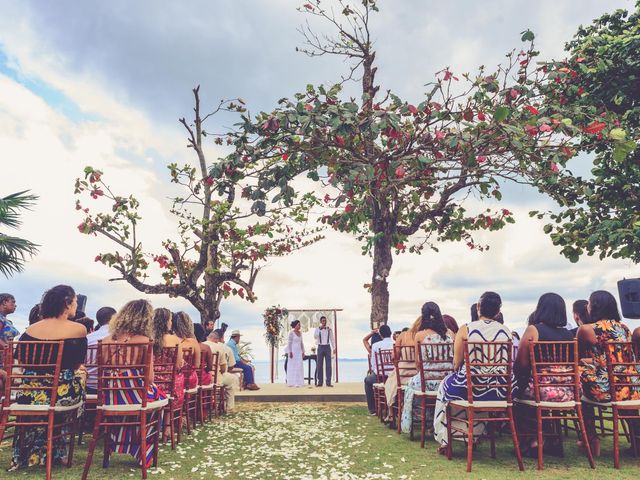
point(206, 355)
point(183, 329)
point(295, 352)
point(432, 329)
point(162, 337)
point(133, 324)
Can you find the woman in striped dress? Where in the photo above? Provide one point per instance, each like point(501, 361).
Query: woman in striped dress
point(454, 386)
point(133, 324)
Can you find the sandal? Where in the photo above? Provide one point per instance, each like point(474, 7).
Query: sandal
point(442, 450)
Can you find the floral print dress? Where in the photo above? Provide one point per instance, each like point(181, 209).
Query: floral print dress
point(594, 376)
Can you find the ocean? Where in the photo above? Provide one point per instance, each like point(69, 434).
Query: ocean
point(351, 370)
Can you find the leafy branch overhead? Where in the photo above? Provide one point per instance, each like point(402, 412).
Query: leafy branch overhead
point(14, 250)
point(221, 244)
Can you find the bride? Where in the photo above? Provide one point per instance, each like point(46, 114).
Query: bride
point(295, 350)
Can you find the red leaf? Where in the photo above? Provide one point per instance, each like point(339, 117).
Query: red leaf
point(468, 115)
point(285, 157)
point(308, 6)
point(514, 93)
point(348, 208)
point(580, 91)
point(98, 258)
point(481, 116)
point(531, 130)
point(532, 110)
point(412, 109)
point(308, 107)
point(554, 167)
point(481, 158)
point(595, 127)
point(400, 171)
point(545, 128)
point(340, 140)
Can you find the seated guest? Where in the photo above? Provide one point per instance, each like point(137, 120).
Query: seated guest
point(162, 337)
point(432, 329)
point(580, 315)
point(241, 363)
point(385, 344)
point(450, 323)
point(474, 312)
point(603, 325)
point(183, 329)
point(133, 324)
point(7, 331)
point(34, 314)
point(104, 317)
point(206, 356)
point(454, 386)
point(548, 326)
point(87, 322)
point(231, 383)
point(58, 305)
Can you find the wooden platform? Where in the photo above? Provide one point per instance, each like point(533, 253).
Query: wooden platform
point(279, 392)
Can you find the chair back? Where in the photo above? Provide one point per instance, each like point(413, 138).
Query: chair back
point(214, 369)
point(488, 368)
point(188, 359)
point(623, 370)
point(165, 369)
point(91, 364)
point(384, 364)
point(32, 366)
point(554, 371)
point(404, 361)
point(124, 371)
point(434, 361)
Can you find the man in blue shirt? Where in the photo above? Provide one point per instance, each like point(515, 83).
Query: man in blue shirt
point(247, 369)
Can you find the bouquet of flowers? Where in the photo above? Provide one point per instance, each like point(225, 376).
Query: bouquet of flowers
point(273, 318)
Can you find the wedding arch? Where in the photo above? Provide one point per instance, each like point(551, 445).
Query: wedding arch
point(309, 320)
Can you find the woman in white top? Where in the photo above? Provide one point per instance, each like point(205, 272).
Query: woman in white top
point(295, 350)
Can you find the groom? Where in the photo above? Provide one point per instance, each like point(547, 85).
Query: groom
point(325, 342)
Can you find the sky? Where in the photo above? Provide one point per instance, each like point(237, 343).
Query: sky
point(104, 83)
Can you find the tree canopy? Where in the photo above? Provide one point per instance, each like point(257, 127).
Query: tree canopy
point(14, 250)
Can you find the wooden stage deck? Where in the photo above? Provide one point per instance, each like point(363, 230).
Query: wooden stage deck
point(279, 392)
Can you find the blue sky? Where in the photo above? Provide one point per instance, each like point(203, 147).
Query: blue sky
point(103, 83)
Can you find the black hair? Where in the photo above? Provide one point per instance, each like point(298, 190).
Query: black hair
point(294, 323)
point(219, 332)
point(474, 312)
point(34, 314)
point(201, 334)
point(603, 306)
point(551, 310)
point(531, 319)
point(104, 314)
point(223, 328)
point(489, 304)
point(56, 300)
point(405, 329)
point(499, 318)
point(580, 309)
point(432, 318)
point(79, 314)
point(515, 335)
point(4, 297)
point(450, 323)
point(87, 322)
point(384, 331)
point(323, 317)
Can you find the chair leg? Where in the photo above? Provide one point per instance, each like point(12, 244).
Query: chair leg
point(74, 426)
point(514, 436)
point(92, 445)
point(585, 437)
point(143, 444)
point(400, 403)
point(449, 434)
point(540, 438)
point(469, 438)
point(616, 438)
point(172, 423)
point(492, 438)
point(423, 419)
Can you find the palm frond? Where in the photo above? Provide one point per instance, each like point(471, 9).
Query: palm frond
point(11, 205)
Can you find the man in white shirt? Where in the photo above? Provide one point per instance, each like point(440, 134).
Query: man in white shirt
point(325, 343)
point(385, 344)
point(103, 316)
point(226, 361)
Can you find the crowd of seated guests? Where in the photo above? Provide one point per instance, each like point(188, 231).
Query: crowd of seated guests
point(57, 318)
point(598, 322)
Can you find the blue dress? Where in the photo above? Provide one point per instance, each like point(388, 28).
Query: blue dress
point(454, 386)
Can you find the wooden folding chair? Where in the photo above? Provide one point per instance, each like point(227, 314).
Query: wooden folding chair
point(554, 366)
point(384, 366)
point(190, 406)
point(37, 368)
point(124, 371)
point(404, 362)
point(91, 399)
point(488, 366)
point(165, 370)
point(434, 361)
point(207, 397)
point(623, 369)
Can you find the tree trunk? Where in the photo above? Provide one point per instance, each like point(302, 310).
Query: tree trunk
point(382, 261)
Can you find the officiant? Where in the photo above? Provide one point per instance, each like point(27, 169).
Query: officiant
point(326, 346)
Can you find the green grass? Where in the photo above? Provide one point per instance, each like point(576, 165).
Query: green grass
point(316, 441)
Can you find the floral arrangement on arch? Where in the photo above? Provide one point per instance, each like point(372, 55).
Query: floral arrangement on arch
point(273, 317)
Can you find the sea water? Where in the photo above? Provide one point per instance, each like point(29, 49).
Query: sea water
point(351, 370)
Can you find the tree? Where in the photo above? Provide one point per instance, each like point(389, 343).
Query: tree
point(410, 175)
point(14, 250)
point(601, 213)
point(221, 244)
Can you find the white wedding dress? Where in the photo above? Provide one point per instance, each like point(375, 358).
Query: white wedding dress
point(295, 364)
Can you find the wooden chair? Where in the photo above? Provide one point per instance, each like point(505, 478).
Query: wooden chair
point(404, 362)
point(384, 366)
point(488, 365)
point(554, 365)
point(165, 370)
point(91, 399)
point(37, 363)
point(622, 370)
point(434, 361)
point(207, 397)
point(124, 370)
point(190, 406)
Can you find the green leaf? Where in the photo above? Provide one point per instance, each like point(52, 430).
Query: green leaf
point(527, 36)
point(501, 113)
point(618, 134)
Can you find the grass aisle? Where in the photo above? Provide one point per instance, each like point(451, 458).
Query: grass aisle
point(315, 441)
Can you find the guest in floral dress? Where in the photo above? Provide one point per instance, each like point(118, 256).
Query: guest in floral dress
point(454, 386)
point(133, 324)
point(162, 337)
point(604, 326)
point(432, 329)
point(182, 327)
point(58, 305)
